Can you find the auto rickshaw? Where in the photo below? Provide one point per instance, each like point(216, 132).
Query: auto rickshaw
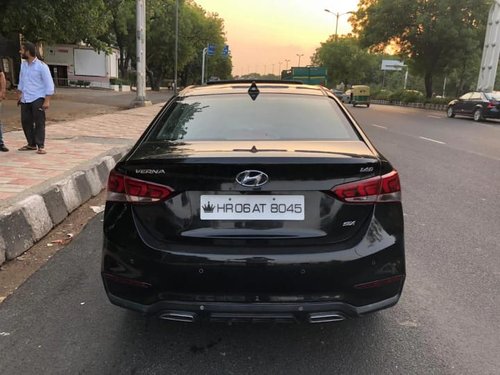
point(359, 94)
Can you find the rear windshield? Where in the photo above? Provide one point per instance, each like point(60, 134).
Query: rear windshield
point(495, 95)
point(238, 117)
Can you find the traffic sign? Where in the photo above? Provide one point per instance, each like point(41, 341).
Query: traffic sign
point(225, 51)
point(392, 65)
point(211, 50)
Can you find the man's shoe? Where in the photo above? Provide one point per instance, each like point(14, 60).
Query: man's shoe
point(3, 148)
point(27, 148)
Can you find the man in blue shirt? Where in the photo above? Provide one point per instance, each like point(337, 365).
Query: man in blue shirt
point(34, 91)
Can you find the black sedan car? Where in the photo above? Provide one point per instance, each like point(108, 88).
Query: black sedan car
point(478, 105)
point(254, 202)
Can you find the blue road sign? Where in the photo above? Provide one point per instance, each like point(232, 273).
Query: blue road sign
point(211, 50)
point(225, 51)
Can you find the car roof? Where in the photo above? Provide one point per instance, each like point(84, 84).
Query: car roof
point(268, 87)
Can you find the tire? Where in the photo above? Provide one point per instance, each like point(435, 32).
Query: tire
point(478, 115)
point(449, 112)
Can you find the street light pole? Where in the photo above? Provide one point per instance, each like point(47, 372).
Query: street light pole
point(337, 15)
point(140, 99)
point(287, 61)
point(299, 55)
point(203, 56)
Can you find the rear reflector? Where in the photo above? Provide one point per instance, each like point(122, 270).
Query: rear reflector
point(379, 283)
point(384, 188)
point(126, 189)
point(126, 281)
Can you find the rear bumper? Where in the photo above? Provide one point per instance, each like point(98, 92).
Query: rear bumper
point(254, 312)
point(492, 113)
point(195, 281)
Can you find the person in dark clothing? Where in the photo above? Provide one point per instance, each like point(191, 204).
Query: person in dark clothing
point(3, 88)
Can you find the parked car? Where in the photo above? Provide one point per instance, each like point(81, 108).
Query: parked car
point(479, 105)
point(260, 201)
point(338, 93)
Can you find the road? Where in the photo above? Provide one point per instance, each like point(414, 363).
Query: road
point(60, 322)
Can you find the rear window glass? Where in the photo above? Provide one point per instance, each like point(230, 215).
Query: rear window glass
point(238, 117)
point(495, 95)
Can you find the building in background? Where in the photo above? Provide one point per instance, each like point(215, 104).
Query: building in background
point(74, 65)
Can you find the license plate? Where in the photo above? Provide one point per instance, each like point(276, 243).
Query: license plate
point(252, 207)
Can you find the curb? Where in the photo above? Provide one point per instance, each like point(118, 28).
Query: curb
point(28, 221)
point(429, 106)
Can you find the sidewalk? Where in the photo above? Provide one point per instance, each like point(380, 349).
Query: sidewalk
point(38, 191)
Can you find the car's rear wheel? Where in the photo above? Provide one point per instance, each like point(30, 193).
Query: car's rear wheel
point(478, 115)
point(449, 112)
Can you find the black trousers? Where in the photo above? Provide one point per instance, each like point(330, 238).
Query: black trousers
point(33, 121)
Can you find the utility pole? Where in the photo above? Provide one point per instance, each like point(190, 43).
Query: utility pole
point(176, 44)
point(140, 99)
point(287, 61)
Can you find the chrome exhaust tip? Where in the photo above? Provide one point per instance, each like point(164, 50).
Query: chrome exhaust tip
point(178, 316)
point(326, 317)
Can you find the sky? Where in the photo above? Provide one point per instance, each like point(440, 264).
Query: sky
point(263, 33)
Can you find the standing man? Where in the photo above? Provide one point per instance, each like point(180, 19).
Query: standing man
point(3, 88)
point(34, 91)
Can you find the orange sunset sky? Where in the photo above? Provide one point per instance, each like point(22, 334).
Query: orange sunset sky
point(261, 33)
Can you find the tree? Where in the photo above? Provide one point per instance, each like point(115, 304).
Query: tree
point(434, 35)
point(56, 21)
point(196, 30)
point(346, 61)
point(122, 30)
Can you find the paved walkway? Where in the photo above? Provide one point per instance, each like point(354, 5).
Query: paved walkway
point(68, 145)
point(38, 191)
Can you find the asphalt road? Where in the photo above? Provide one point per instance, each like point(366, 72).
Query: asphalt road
point(60, 322)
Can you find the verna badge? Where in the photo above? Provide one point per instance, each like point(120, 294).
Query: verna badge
point(252, 178)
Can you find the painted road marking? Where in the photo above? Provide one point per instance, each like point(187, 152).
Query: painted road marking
point(379, 126)
point(434, 116)
point(432, 140)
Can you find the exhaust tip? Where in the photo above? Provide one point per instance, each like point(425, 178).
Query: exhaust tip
point(178, 316)
point(326, 317)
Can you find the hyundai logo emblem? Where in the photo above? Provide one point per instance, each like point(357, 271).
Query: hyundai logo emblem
point(252, 178)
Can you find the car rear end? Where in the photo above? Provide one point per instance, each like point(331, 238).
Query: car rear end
point(491, 107)
point(232, 208)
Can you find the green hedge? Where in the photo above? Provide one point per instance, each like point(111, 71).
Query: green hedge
point(407, 96)
point(119, 81)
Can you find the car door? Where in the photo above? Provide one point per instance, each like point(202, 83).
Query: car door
point(461, 103)
point(472, 102)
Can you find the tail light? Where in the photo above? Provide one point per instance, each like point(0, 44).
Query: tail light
point(126, 189)
point(491, 105)
point(384, 188)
